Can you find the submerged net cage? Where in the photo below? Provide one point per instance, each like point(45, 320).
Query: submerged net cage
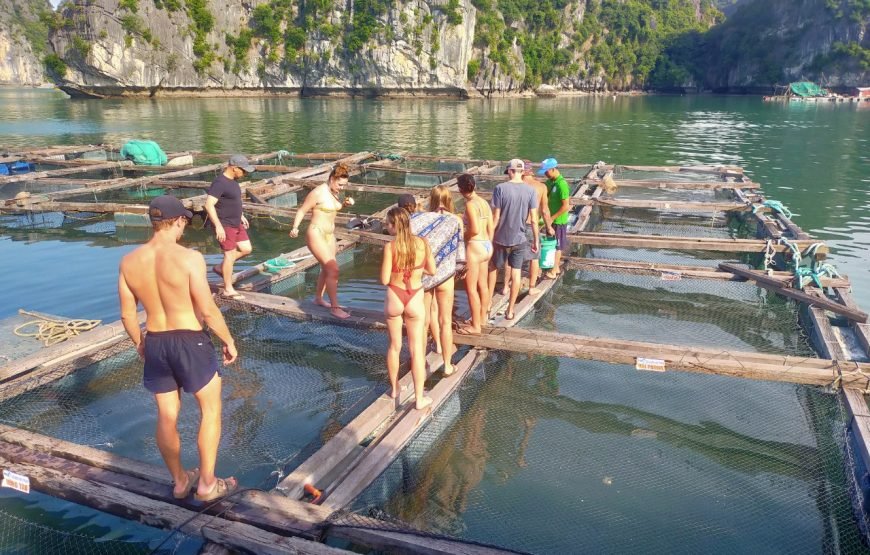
point(549, 455)
point(532, 453)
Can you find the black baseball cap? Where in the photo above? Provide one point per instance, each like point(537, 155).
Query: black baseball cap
point(167, 207)
point(406, 199)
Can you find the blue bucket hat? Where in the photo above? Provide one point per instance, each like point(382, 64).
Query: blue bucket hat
point(547, 164)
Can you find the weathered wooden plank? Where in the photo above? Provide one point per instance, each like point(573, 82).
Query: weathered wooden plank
point(585, 212)
point(396, 542)
point(35, 176)
point(69, 484)
point(381, 454)
point(862, 331)
point(812, 300)
point(95, 207)
point(673, 206)
point(682, 243)
point(694, 272)
point(697, 185)
point(98, 338)
point(728, 363)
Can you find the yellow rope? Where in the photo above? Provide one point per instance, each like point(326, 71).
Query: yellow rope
point(53, 330)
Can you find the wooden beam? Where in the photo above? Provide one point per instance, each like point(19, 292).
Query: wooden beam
point(35, 176)
point(381, 454)
point(673, 206)
point(726, 362)
point(862, 331)
point(383, 541)
point(272, 512)
point(101, 337)
point(682, 243)
point(812, 300)
point(86, 486)
point(694, 272)
point(699, 185)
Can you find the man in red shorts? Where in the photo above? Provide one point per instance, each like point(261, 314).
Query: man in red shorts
point(224, 207)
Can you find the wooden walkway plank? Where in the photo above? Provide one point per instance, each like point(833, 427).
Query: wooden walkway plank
point(696, 185)
point(673, 206)
point(812, 300)
point(694, 272)
point(86, 486)
point(387, 449)
point(35, 176)
point(682, 243)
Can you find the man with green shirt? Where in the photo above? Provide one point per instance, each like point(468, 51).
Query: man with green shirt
point(558, 200)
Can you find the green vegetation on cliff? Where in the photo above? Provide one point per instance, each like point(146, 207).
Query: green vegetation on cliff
point(620, 38)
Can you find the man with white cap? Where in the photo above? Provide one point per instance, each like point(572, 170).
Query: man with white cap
point(224, 207)
point(169, 281)
point(514, 203)
point(559, 201)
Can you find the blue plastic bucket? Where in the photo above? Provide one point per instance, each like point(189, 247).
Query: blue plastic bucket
point(548, 253)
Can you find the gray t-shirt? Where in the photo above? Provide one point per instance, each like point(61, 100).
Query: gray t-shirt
point(514, 200)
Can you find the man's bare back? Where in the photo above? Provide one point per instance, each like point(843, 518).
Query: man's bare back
point(170, 282)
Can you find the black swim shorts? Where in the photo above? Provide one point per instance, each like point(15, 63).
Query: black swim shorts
point(179, 358)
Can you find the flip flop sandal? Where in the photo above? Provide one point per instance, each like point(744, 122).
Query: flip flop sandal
point(220, 489)
point(192, 479)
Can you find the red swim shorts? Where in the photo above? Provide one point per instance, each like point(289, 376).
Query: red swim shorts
point(235, 235)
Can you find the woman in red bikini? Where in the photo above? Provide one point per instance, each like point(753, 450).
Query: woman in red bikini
point(406, 258)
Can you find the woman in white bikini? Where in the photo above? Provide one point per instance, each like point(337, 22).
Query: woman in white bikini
point(478, 250)
point(324, 203)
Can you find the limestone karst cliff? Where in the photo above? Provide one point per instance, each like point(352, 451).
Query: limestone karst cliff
point(452, 47)
point(23, 41)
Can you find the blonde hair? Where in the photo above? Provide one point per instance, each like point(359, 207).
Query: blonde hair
point(404, 247)
point(440, 198)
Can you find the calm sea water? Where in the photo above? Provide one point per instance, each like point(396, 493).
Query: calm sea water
point(813, 158)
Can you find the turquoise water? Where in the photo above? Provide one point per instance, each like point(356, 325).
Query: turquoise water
point(814, 158)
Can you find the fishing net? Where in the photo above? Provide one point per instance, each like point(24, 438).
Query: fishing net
point(689, 312)
point(36, 523)
point(295, 385)
point(551, 455)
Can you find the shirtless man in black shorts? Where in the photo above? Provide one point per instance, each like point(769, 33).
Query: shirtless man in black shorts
point(170, 282)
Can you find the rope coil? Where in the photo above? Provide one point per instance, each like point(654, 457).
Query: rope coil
point(51, 331)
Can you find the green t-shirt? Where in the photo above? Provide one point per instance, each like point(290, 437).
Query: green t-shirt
point(557, 191)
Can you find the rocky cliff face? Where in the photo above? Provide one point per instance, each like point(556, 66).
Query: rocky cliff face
point(769, 42)
point(23, 38)
point(111, 49)
point(453, 47)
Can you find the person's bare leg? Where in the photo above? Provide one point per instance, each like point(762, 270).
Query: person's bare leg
point(444, 296)
point(243, 249)
point(431, 316)
point(534, 273)
point(416, 337)
point(506, 283)
point(331, 269)
point(493, 276)
point(209, 399)
point(394, 349)
point(472, 289)
point(557, 267)
point(485, 292)
point(323, 252)
point(516, 278)
point(168, 440)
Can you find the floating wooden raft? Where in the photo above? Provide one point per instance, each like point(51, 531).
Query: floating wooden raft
point(350, 465)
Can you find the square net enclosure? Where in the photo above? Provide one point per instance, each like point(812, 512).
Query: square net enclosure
point(294, 386)
point(550, 455)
